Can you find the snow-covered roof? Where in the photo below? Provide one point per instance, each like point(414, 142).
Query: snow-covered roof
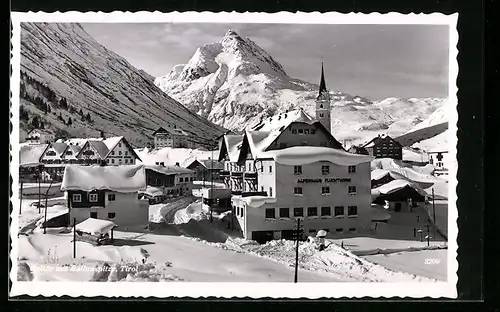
point(152, 191)
point(168, 170)
point(100, 147)
point(208, 164)
point(258, 201)
point(302, 155)
point(123, 179)
point(95, 226)
point(397, 185)
point(75, 148)
point(283, 120)
point(59, 148)
point(378, 174)
point(171, 156)
point(111, 142)
point(233, 144)
point(29, 154)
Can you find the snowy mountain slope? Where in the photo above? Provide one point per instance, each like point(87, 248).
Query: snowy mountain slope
point(236, 84)
point(62, 62)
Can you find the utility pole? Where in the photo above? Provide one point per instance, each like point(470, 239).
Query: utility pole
point(298, 233)
point(39, 177)
point(212, 184)
point(46, 196)
point(21, 198)
point(74, 238)
point(428, 236)
point(433, 212)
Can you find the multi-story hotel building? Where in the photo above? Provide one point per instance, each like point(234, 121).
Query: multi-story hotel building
point(289, 167)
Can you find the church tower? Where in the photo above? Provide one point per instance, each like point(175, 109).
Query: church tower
point(323, 103)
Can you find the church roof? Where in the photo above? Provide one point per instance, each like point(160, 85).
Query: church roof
point(283, 120)
point(322, 83)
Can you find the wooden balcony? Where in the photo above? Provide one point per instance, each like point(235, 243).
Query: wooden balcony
point(250, 175)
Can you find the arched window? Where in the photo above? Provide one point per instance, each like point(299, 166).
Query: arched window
point(320, 105)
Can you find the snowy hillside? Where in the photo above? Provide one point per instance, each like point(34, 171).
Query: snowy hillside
point(236, 84)
point(77, 87)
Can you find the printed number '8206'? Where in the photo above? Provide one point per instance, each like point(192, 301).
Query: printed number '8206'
point(432, 261)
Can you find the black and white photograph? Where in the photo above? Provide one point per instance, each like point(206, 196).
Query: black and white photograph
point(315, 152)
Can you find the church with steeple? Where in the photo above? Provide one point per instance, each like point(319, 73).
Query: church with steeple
point(323, 112)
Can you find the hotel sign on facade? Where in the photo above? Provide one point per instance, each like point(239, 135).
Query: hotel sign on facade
point(326, 180)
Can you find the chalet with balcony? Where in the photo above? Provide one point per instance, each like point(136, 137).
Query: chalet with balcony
point(206, 169)
point(384, 147)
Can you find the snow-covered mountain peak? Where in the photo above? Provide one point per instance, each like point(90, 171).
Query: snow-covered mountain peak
point(238, 85)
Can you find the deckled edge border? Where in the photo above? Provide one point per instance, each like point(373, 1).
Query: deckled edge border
point(249, 290)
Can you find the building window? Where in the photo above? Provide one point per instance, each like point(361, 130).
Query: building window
point(301, 131)
point(126, 153)
point(262, 168)
point(270, 169)
point(93, 198)
point(352, 190)
point(237, 211)
point(113, 161)
point(352, 230)
point(241, 211)
point(294, 131)
point(111, 215)
point(306, 131)
point(325, 190)
point(112, 153)
point(77, 198)
point(321, 115)
point(297, 169)
point(352, 210)
point(297, 190)
point(126, 160)
point(119, 152)
point(192, 178)
point(111, 197)
point(325, 169)
point(352, 169)
point(298, 212)
point(284, 213)
point(249, 167)
point(325, 211)
point(262, 189)
point(270, 192)
point(312, 211)
point(339, 230)
point(339, 211)
point(181, 180)
point(93, 214)
point(270, 213)
point(119, 145)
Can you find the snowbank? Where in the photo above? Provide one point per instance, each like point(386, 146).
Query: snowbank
point(124, 179)
point(302, 155)
point(195, 211)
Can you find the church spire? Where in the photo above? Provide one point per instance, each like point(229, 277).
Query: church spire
point(322, 83)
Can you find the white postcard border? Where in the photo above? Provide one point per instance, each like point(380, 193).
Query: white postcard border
point(230, 290)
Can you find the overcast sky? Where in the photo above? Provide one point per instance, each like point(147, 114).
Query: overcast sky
point(375, 61)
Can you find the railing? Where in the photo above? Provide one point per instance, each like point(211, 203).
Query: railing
point(236, 192)
point(250, 175)
point(224, 173)
point(237, 174)
point(246, 194)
